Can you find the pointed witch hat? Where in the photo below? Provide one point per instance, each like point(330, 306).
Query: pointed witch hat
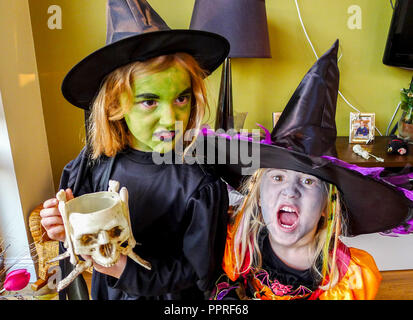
point(135, 32)
point(304, 140)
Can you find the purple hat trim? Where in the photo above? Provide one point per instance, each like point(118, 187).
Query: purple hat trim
point(238, 136)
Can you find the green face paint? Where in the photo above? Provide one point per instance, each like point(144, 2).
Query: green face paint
point(160, 100)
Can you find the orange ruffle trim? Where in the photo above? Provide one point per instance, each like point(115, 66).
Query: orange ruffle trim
point(360, 281)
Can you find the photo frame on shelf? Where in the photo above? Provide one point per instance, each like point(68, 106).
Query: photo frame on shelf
point(362, 127)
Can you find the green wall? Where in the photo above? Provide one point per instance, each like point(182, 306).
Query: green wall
point(260, 86)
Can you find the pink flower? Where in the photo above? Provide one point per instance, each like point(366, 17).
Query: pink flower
point(16, 280)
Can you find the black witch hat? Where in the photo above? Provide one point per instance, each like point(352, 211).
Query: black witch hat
point(135, 32)
point(304, 140)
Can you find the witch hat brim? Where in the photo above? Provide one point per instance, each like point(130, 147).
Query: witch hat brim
point(304, 140)
point(369, 204)
point(82, 83)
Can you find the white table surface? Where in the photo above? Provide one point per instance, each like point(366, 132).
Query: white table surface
point(390, 253)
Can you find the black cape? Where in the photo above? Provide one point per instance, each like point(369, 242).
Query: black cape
point(178, 214)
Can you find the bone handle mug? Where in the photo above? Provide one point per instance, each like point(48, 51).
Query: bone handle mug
point(97, 225)
point(61, 197)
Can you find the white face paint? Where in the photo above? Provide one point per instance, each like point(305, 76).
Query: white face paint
point(291, 204)
point(99, 228)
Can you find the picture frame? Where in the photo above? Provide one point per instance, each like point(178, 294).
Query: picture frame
point(362, 127)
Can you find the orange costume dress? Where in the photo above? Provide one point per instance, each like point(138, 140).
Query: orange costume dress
point(359, 278)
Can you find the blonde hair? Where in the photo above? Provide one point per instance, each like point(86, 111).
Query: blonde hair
point(108, 132)
point(251, 224)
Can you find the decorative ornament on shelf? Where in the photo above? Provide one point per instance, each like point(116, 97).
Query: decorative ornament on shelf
point(397, 146)
point(358, 149)
point(405, 124)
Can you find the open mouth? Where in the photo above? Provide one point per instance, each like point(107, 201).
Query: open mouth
point(165, 135)
point(287, 217)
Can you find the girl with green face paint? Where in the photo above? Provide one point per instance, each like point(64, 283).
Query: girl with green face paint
point(141, 105)
point(161, 109)
point(143, 90)
point(178, 212)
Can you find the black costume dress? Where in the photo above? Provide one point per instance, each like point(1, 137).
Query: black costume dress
point(358, 277)
point(178, 215)
point(274, 273)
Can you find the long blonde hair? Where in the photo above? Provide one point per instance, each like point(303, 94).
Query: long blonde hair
point(251, 223)
point(108, 132)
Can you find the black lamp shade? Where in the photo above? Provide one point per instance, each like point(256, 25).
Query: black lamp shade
point(242, 22)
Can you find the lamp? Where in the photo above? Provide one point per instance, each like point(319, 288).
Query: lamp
point(244, 24)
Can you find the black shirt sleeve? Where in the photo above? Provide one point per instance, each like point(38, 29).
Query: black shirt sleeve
point(71, 175)
point(74, 175)
point(200, 259)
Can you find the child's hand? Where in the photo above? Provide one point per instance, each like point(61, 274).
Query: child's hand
point(52, 219)
point(114, 271)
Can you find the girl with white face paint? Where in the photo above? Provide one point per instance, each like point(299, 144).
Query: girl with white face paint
point(283, 239)
point(292, 205)
point(283, 243)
